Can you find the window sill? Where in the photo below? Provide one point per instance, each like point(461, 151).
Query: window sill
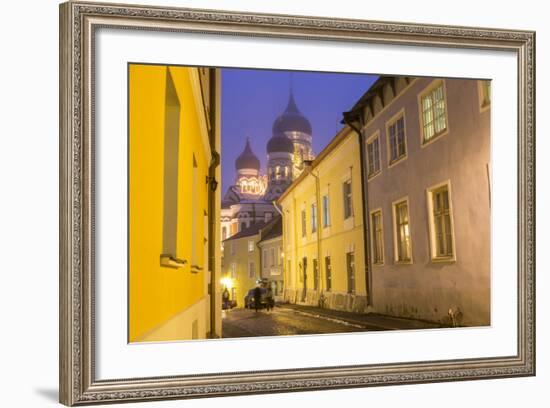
point(196, 269)
point(403, 262)
point(397, 161)
point(450, 259)
point(170, 261)
point(434, 138)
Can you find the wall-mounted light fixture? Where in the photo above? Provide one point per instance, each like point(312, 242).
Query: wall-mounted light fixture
point(212, 182)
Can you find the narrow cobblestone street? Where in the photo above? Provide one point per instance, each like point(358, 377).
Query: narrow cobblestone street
point(292, 320)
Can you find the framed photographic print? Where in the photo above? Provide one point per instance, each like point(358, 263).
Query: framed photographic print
point(256, 203)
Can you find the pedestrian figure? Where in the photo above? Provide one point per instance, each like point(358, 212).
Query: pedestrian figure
point(257, 298)
point(269, 298)
point(225, 299)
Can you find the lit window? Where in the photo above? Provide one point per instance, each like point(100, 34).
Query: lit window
point(396, 136)
point(377, 238)
point(286, 171)
point(402, 232)
point(326, 211)
point(277, 172)
point(348, 206)
point(304, 223)
point(434, 117)
point(313, 217)
point(441, 223)
point(373, 155)
point(250, 246)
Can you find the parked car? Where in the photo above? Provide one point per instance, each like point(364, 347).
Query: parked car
point(249, 302)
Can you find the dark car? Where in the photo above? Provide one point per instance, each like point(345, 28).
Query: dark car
point(249, 302)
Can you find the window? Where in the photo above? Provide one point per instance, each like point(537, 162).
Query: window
point(251, 269)
point(277, 172)
point(250, 246)
point(315, 275)
point(267, 216)
point(396, 137)
point(441, 223)
point(434, 116)
point(313, 217)
point(279, 256)
point(304, 223)
point(326, 211)
point(348, 207)
point(286, 172)
point(171, 171)
point(224, 233)
point(232, 249)
point(328, 273)
point(485, 93)
point(233, 270)
point(272, 257)
point(402, 232)
point(377, 238)
point(264, 258)
point(373, 155)
point(350, 266)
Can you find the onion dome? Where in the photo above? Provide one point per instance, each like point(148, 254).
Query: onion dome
point(247, 159)
point(291, 120)
point(279, 142)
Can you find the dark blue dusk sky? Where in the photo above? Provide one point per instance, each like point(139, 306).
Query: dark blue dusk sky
point(252, 100)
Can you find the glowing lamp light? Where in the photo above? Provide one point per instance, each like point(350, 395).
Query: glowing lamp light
point(227, 282)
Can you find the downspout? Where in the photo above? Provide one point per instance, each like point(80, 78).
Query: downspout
point(215, 98)
point(349, 119)
point(318, 199)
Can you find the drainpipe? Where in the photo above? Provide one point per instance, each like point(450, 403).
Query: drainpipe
point(354, 119)
point(318, 199)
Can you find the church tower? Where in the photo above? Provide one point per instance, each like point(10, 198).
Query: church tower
point(297, 128)
point(250, 184)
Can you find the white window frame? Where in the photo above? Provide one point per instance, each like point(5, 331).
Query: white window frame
point(314, 223)
point(428, 90)
point(251, 270)
point(250, 246)
point(394, 232)
point(431, 223)
point(373, 236)
point(393, 120)
point(370, 141)
point(344, 198)
point(325, 200)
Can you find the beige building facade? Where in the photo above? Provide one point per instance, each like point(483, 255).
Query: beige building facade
point(324, 257)
point(428, 164)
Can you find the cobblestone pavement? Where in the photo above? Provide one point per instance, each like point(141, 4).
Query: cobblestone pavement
point(283, 321)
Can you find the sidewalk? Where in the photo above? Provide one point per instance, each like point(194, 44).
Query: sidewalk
point(370, 321)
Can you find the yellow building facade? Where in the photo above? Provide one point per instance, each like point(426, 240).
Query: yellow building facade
point(324, 256)
point(171, 153)
point(241, 263)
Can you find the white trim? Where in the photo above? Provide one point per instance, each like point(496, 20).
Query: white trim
point(369, 141)
point(390, 122)
point(396, 260)
point(372, 237)
point(429, 204)
point(427, 89)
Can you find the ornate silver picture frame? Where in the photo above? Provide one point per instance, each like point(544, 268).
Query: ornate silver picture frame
point(79, 23)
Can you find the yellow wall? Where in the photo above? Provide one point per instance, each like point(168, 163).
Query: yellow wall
point(340, 237)
point(242, 282)
point(157, 293)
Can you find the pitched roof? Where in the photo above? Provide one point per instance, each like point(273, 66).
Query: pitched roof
point(273, 229)
point(252, 230)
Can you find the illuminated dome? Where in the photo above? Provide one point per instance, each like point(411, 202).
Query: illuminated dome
point(247, 159)
point(291, 120)
point(280, 143)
